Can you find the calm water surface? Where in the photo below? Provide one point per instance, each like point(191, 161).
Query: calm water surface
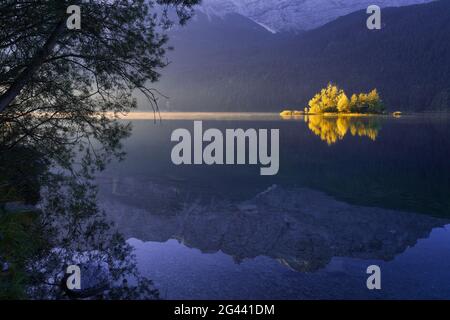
point(351, 192)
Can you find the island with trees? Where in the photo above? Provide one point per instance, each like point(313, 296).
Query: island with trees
point(333, 100)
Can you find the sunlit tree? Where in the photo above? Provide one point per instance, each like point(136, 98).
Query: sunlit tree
point(332, 99)
point(343, 105)
point(373, 96)
point(354, 103)
point(326, 101)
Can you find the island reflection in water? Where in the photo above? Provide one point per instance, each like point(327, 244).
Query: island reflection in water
point(309, 232)
point(333, 128)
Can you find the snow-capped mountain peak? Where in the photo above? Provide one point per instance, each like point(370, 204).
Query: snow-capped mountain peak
point(294, 15)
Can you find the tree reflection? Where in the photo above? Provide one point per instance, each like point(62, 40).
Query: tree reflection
point(332, 129)
point(48, 212)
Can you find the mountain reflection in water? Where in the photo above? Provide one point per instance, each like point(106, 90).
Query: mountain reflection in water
point(301, 228)
point(375, 197)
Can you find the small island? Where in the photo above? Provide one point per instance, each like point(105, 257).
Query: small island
point(333, 100)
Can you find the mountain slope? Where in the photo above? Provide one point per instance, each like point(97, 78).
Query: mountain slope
point(294, 15)
point(233, 64)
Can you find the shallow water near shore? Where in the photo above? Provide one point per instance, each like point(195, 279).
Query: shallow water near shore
point(351, 192)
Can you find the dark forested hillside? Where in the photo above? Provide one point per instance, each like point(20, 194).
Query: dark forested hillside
point(233, 64)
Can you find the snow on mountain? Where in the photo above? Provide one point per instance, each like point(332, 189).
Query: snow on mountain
point(294, 15)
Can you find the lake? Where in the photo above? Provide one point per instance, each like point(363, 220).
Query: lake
point(350, 192)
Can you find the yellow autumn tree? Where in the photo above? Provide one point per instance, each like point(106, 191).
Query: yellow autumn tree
point(343, 104)
point(314, 104)
point(373, 96)
point(332, 99)
point(353, 103)
point(370, 102)
point(362, 98)
point(326, 101)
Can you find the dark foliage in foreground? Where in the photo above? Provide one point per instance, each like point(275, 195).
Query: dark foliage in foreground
point(59, 92)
